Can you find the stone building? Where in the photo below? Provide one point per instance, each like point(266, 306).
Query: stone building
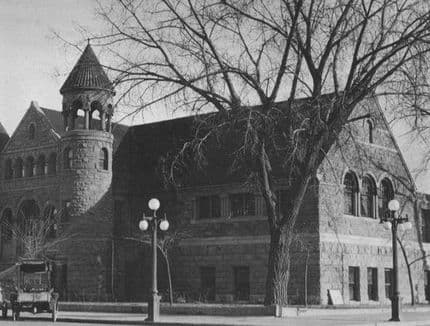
point(98, 177)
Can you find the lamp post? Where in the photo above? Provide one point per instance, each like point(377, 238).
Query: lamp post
point(393, 221)
point(152, 223)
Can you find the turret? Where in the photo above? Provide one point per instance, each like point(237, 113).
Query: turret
point(87, 92)
point(86, 170)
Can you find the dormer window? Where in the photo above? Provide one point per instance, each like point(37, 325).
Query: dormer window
point(31, 131)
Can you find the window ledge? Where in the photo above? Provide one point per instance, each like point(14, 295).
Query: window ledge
point(362, 217)
point(228, 220)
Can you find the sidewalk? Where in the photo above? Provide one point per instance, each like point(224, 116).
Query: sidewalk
point(375, 319)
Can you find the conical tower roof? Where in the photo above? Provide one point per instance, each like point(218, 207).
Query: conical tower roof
point(87, 74)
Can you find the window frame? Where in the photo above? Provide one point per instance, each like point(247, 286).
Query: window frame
point(29, 167)
point(208, 283)
point(8, 169)
point(425, 225)
point(350, 194)
point(242, 285)
point(104, 159)
point(19, 168)
point(386, 193)
point(354, 283)
point(427, 285)
point(246, 207)
point(214, 207)
point(370, 129)
point(52, 164)
point(368, 198)
point(372, 284)
point(32, 131)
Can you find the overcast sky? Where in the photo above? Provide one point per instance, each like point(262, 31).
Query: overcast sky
point(34, 63)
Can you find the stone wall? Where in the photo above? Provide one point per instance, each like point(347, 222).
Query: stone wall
point(82, 196)
point(358, 241)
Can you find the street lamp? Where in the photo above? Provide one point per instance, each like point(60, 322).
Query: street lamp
point(152, 222)
point(393, 222)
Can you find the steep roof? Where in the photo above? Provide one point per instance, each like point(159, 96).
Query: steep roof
point(3, 130)
point(4, 137)
point(87, 74)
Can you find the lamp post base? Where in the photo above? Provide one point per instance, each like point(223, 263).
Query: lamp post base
point(395, 309)
point(153, 308)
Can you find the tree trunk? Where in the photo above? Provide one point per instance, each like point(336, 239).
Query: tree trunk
point(278, 273)
point(411, 283)
point(169, 276)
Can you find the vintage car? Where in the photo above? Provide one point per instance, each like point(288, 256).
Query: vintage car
point(33, 290)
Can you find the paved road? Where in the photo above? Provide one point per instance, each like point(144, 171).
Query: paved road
point(82, 319)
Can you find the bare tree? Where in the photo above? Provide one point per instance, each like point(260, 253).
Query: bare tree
point(165, 243)
point(249, 60)
point(36, 237)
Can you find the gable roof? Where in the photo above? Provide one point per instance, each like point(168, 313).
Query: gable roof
point(4, 137)
point(87, 74)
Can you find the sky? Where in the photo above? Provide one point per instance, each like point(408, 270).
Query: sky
point(34, 63)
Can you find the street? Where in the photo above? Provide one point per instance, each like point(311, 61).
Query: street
point(86, 318)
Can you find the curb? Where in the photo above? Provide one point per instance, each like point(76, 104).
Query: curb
point(124, 322)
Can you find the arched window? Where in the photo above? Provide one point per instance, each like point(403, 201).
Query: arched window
point(18, 168)
point(8, 171)
point(104, 159)
point(368, 197)
point(29, 167)
point(369, 125)
point(52, 164)
point(350, 194)
point(31, 131)
point(96, 106)
point(68, 158)
point(41, 165)
point(6, 226)
point(386, 193)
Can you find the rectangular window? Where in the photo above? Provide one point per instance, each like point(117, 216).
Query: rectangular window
point(427, 284)
point(354, 283)
point(209, 207)
point(372, 283)
point(241, 283)
point(388, 282)
point(425, 213)
point(242, 204)
point(207, 283)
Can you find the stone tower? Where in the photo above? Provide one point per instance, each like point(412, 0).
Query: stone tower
point(85, 164)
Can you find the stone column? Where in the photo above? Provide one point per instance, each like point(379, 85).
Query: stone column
point(87, 120)
point(103, 121)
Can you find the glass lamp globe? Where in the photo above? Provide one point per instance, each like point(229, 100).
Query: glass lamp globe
point(164, 225)
point(387, 225)
point(393, 205)
point(401, 227)
point(143, 225)
point(154, 204)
